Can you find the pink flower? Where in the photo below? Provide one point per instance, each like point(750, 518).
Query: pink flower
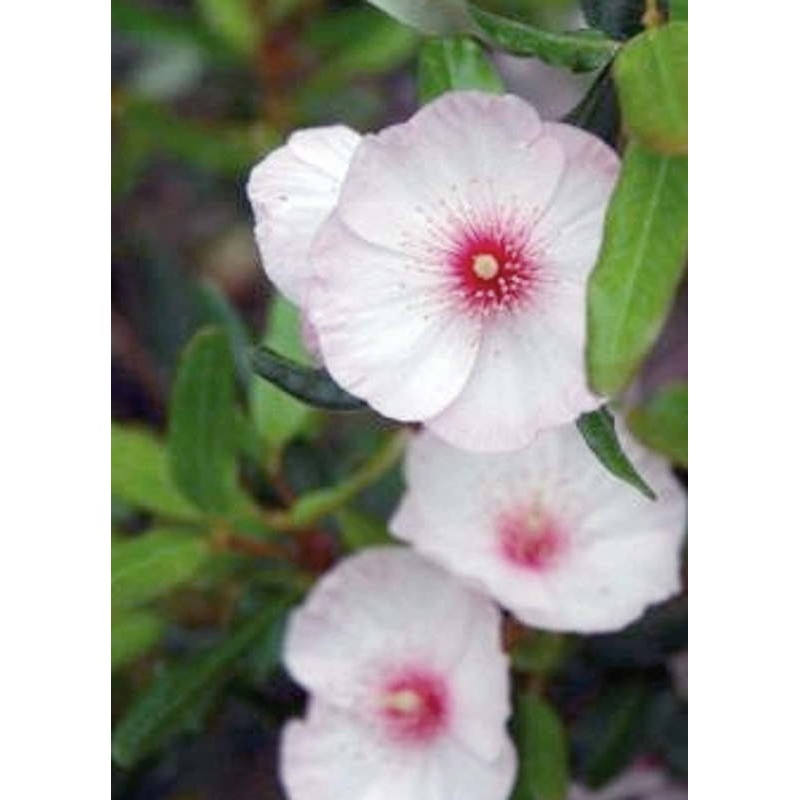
point(447, 282)
point(639, 782)
point(546, 530)
point(409, 687)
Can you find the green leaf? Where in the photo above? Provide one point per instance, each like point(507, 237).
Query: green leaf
point(598, 110)
point(140, 474)
point(278, 417)
point(662, 423)
point(580, 51)
point(234, 22)
point(597, 429)
point(454, 63)
point(202, 426)
point(153, 564)
point(133, 633)
point(540, 652)
point(640, 265)
point(172, 700)
point(543, 751)
point(651, 73)
point(620, 19)
point(679, 10)
point(435, 17)
point(360, 530)
point(313, 386)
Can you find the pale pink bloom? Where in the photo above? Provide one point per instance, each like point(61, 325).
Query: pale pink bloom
point(292, 191)
point(639, 782)
point(547, 531)
point(409, 687)
point(450, 278)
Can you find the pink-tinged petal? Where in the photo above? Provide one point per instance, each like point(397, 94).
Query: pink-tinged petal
point(292, 191)
point(546, 530)
point(385, 328)
point(529, 376)
point(571, 229)
point(332, 756)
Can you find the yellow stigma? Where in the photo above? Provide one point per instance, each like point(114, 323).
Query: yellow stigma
point(485, 266)
point(405, 701)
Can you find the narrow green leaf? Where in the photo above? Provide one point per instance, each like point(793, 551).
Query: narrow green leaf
point(453, 63)
point(360, 530)
point(662, 423)
point(435, 17)
point(651, 73)
point(154, 564)
point(172, 700)
point(313, 386)
point(620, 19)
point(140, 474)
point(540, 652)
point(598, 110)
point(580, 51)
point(640, 265)
point(202, 428)
point(543, 751)
point(133, 633)
point(597, 428)
point(278, 417)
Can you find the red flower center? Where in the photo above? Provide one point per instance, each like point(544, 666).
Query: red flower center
point(415, 706)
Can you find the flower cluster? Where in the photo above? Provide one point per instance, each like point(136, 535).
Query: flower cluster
point(441, 267)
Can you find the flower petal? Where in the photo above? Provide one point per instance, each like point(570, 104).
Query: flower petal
point(292, 191)
point(385, 327)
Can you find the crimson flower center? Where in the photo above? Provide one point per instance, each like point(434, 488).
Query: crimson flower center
point(493, 271)
point(533, 540)
point(414, 706)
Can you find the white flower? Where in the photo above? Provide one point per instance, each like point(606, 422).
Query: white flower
point(445, 269)
point(292, 191)
point(547, 531)
point(409, 687)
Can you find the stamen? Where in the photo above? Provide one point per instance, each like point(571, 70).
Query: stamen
point(485, 266)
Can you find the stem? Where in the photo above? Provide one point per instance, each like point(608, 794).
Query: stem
point(652, 16)
point(312, 506)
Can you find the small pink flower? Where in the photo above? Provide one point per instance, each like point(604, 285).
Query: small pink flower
point(292, 191)
point(409, 687)
point(443, 262)
point(451, 276)
point(546, 530)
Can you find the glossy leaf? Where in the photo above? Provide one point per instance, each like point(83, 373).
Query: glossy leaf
point(202, 429)
point(453, 63)
point(313, 386)
point(598, 110)
point(597, 429)
point(279, 417)
point(620, 19)
point(640, 265)
point(580, 51)
point(651, 73)
point(662, 423)
point(140, 474)
point(172, 700)
point(543, 750)
point(438, 17)
point(153, 564)
point(133, 633)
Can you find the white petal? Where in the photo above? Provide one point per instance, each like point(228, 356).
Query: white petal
point(622, 550)
point(385, 326)
point(381, 607)
point(529, 376)
point(292, 191)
